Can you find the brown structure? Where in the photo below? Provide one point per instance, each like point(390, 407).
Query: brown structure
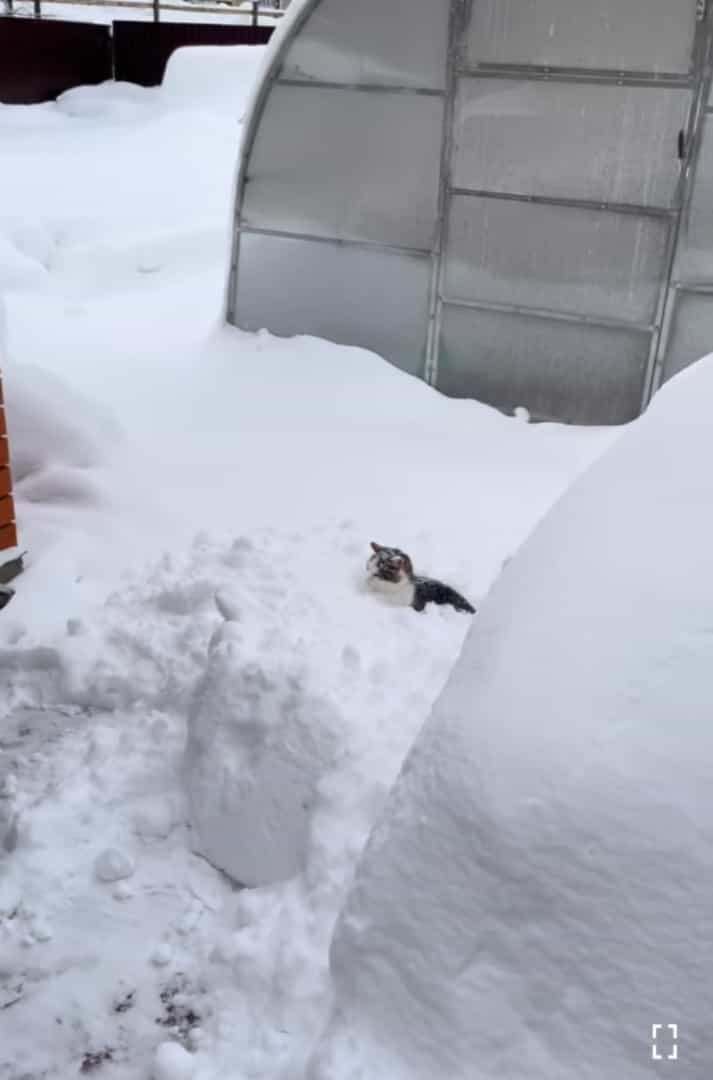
point(8, 530)
point(41, 58)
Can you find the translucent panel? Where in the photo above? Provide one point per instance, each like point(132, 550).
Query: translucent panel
point(560, 258)
point(399, 43)
point(557, 370)
point(577, 140)
point(691, 332)
point(628, 35)
point(351, 295)
point(347, 163)
point(695, 250)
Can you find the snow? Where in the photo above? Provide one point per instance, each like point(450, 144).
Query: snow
point(197, 504)
point(113, 865)
point(172, 1062)
point(219, 79)
point(537, 893)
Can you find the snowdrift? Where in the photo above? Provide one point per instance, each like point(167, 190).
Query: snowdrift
point(57, 434)
point(538, 893)
point(219, 78)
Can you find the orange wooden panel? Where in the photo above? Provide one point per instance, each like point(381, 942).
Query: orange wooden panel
point(5, 481)
point(4, 452)
point(3, 428)
point(7, 510)
point(8, 537)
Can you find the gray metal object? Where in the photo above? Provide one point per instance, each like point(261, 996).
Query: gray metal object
point(500, 198)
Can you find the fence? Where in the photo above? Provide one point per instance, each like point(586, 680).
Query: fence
point(40, 58)
point(141, 50)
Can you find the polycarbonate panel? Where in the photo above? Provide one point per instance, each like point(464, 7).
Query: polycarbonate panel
point(375, 299)
point(695, 245)
point(559, 370)
point(691, 333)
point(352, 164)
point(625, 35)
point(399, 43)
point(570, 140)
point(589, 262)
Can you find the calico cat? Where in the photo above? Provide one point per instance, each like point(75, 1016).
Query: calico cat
point(390, 571)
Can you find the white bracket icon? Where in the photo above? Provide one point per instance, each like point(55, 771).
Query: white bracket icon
point(672, 1029)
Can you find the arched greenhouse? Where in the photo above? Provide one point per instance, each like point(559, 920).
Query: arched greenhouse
point(512, 199)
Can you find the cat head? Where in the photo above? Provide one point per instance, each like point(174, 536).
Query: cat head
point(389, 564)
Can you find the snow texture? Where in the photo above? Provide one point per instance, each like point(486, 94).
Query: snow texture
point(172, 1062)
point(197, 505)
point(216, 78)
point(537, 893)
point(259, 742)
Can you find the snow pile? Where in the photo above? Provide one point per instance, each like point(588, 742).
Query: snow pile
point(56, 436)
point(537, 895)
point(259, 743)
point(112, 101)
point(218, 78)
point(17, 270)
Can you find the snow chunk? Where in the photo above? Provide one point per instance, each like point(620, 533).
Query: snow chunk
point(162, 955)
point(259, 743)
point(113, 865)
point(172, 1062)
point(538, 893)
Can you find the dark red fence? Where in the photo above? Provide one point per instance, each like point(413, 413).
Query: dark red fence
point(141, 50)
point(40, 58)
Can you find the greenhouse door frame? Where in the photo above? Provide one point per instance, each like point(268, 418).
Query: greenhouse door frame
point(696, 81)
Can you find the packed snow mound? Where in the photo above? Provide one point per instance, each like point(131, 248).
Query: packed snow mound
point(537, 895)
point(259, 743)
point(219, 78)
point(54, 433)
point(111, 100)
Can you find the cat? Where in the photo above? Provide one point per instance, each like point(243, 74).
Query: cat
point(390, 572)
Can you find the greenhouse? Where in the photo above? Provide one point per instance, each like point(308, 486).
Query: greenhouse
point(511, 199)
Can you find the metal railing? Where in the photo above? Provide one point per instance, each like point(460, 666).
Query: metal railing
point(219, 7)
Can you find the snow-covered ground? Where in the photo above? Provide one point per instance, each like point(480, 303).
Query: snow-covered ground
point(163, 460)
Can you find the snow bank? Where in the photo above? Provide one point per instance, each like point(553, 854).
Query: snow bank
point(110, 101)
point(55, 435)
point(218, 78)
point(18, 270)
point(538, 894)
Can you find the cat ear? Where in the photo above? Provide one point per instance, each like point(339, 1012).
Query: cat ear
point(376, 547)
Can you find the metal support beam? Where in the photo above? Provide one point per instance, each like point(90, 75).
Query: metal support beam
point(576, 204)
point(605, 76)
point(550, 314)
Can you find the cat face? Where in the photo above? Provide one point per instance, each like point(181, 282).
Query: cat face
point(389, 564)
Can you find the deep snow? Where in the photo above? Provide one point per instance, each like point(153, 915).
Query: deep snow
point(538, 892)
point(163, 460)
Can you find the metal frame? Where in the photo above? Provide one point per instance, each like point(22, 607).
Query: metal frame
point(703, 52)
point(459, 11)
point(697, 81)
